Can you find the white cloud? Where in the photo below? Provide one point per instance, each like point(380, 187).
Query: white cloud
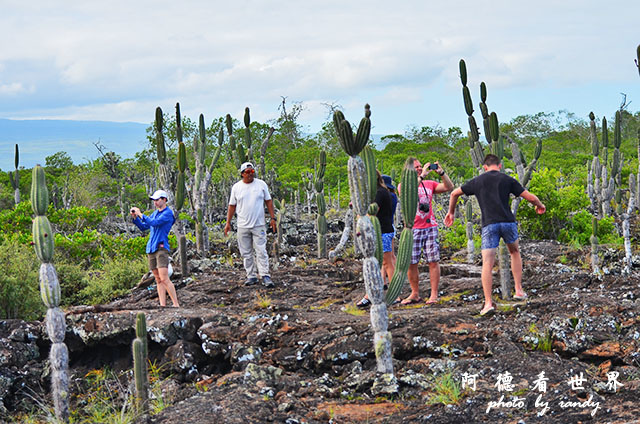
point(113, 60)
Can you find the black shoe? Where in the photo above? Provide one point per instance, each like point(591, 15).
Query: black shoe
point(364, 303)
point(266, 281)
point(251, 281)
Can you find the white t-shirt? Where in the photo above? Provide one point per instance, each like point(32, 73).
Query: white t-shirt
point(249, 200)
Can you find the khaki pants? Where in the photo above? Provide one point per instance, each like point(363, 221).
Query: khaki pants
point(252, 243)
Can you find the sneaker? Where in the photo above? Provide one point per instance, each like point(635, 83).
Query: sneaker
point(266, 281)
point(251, 281)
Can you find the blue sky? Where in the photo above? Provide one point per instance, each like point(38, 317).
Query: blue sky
point(118, 60)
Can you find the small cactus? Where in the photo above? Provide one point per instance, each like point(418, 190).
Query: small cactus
point(140, 352)
point(14, 178)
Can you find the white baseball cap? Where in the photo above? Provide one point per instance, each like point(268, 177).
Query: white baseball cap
point(245, 166)
point(158, 194)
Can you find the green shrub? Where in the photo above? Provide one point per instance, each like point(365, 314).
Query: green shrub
point(76, 218)
point(579, 228)
point(455, 237)
point(16, 220)
point(562, 198)
point(19, 285)
point(116, 278)
point(73, 279)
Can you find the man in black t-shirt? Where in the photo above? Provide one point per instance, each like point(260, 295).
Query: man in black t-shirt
point(493, 190)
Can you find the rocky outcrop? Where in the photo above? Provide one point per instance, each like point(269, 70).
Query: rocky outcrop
point(297, 353)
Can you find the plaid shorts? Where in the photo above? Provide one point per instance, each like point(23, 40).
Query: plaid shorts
point(387, 242)
point(491, 234)
point(425, 239)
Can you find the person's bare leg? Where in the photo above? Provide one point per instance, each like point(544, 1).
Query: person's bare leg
point(388, 264)
point(434, 279)
point(488, 260)
point(162, 290)
point(168, 286)
point(413, 282)
point(516, 267)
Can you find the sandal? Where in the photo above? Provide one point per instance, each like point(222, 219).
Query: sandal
point(364, 303)
point(488, 312)
point(409, 301)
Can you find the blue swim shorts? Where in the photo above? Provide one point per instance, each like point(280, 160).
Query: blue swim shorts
point(387, 239)
point(491, 234)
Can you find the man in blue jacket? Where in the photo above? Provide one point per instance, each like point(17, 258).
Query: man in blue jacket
point(160, 223)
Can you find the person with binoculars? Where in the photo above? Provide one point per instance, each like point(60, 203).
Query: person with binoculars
point(160, 223)
point(425, 230)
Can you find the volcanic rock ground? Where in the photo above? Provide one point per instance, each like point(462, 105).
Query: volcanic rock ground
point(294, 353)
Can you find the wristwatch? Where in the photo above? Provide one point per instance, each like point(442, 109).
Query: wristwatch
point(441, 173)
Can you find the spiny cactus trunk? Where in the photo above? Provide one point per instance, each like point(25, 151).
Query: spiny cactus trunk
point(344, 238)
point(626, 233)
point(595, 259)
point(50, 292)
point(140, 352)
point(296, 206)
point(366, 240)
point(471, 250)
point(505, 271)
point(322, 206)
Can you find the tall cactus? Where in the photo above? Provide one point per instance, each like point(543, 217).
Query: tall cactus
point(140, 351)
point(50, 293)
point(475, 148)
point(408, 203)
point(201, 182)
point(496, 146)
point(372, 180)
point(626, 230)
point(237, 152)
point(164, 169)
point(321, 219)
point(14, 177)
point(595, 171)
point(180, 194)
point(524, 173)
point(365, 238)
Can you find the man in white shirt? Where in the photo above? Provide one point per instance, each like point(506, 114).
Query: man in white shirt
point(248, 197)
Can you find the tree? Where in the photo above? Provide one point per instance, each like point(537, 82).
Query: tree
point(59, 160)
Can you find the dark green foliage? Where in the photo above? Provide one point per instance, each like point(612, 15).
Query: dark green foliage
point(19, 288)
point(117, 278)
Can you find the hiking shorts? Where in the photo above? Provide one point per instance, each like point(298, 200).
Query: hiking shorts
point(425, 239)
point(491, 234)
point(387, 242)
point(158, 259)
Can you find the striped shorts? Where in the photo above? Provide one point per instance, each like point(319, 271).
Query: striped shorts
point(425, 239)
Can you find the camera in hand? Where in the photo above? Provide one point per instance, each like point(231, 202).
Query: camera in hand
point(132, 210)
point(423, 207)
point(433, 166)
